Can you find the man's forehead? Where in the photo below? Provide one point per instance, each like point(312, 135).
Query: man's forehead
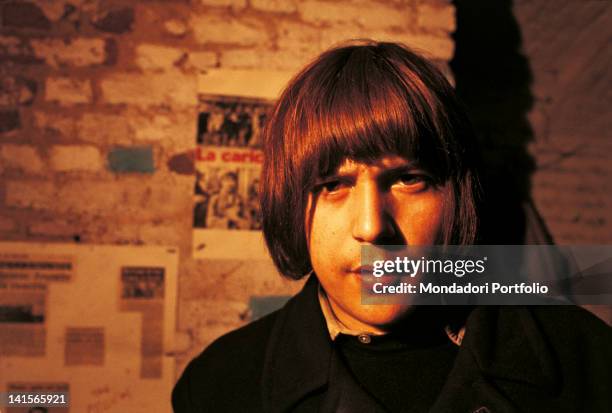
point(384, 162)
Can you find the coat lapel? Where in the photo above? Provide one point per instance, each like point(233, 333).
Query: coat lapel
point(503, 358)
point(508, 345)
point(299, 352)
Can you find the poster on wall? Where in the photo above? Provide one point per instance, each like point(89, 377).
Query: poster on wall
point(232, 110)
point(94, 322)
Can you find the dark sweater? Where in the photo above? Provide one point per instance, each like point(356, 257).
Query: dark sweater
point(399, 375)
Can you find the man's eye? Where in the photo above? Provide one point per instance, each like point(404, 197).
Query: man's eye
point(414, 181)
point(330, 186)
point(411, 179)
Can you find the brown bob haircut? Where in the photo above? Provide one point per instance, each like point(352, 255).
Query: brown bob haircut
point(362, 101)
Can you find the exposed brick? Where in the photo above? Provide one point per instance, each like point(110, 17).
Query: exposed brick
point(206, 312)
point(66, 90)
point(92, 197)
point(23, 15)
point(74, 196)
point(432, 17)
point(13, 49)
point(55, 124)
point(53, 228)
point(115, 21)
point(104, 128)
point(131, 160)
point(161, 126)
point(241, 58)
point(298, 37)
point(9, 120)
point(143, 199)
point(340, 33)
point(76, 52)
point(368, 15)
point(160, 234)
point(112, 51)
point(234, 4)
point(29, 194)
point(7, 224)
point(175, 27)
point(182, 340)
point(22, 157)
point(152, 57)
point(153, 89)
point(213, 29)
point(236, 283)
point(175, 128)
point(65, 158)
point(201, 60)
point(17, 90)
point(54, 10)
point(10, 44)
point(285, 59)
point(433, 47)
point(279, 6)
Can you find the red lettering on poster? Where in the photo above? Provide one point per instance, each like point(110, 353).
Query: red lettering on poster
point(205, 155)
point(244, 157)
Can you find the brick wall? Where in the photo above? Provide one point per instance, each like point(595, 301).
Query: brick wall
point(570, 61)
point(86, 83)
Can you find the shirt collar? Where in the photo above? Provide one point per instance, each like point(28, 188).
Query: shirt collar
point(335, 327)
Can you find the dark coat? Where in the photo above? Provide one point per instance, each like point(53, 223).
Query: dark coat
point(512, 359)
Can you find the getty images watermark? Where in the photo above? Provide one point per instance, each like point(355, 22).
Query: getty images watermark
point(487, 275)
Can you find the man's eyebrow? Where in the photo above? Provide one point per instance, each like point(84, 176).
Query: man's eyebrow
point(337, 175)
point(407, 167)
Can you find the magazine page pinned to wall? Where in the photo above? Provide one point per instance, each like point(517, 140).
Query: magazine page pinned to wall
point(233, 107)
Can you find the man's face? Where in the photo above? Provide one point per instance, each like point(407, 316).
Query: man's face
point(228, 184)
point(388, 202)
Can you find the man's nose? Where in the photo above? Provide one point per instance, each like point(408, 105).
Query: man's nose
point(371, 220)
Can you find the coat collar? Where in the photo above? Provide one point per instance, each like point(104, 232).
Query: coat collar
point(500, 344)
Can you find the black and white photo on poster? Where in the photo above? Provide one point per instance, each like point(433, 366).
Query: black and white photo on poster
point(231, 120)
point(142, 283)
point(226, 197)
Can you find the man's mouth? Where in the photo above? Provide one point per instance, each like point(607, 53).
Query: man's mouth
point(368, 279)
point(362, 270)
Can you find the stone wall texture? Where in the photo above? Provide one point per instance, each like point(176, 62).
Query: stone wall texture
point(85, 82)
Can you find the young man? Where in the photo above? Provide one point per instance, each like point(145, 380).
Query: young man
point(368, 146)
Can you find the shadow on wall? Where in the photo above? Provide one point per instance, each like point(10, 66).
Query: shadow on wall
point(493, 79)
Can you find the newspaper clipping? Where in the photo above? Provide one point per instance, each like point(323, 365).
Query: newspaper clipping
point(23, 294)
point(142, 290)
point(84, 346)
